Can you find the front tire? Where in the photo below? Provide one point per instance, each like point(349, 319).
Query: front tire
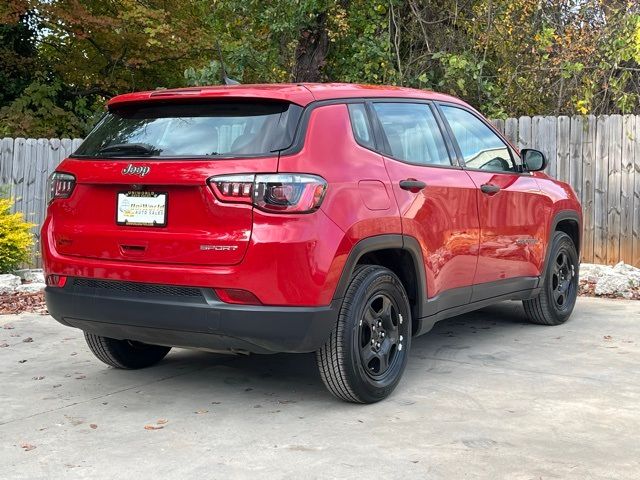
point(125, 354)
point(554, 304)
point(366, 354)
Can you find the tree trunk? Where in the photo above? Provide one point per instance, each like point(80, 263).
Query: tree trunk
point(311, 51)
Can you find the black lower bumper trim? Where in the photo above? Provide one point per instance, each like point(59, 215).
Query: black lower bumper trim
point(190, 321)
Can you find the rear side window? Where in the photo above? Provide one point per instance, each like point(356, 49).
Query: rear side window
point(481, 148)
point(186, 130)
point(412, 133)
point(360, 125)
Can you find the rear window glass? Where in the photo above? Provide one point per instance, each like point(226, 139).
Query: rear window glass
point(228, 129)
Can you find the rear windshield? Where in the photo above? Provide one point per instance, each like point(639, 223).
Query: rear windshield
point(227, 129)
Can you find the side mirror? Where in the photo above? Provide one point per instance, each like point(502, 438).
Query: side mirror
point(533, 160)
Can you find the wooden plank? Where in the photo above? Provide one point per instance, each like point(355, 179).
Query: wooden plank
point(588, 180)
point(543, 138)
point(28, 194)
point(67, 148)
point(575, 154)
point(37, 194)
point(53, 157)
point(75, 143)
point(538, 134)
point(524, 133)
point(551, 131)
point(563, 138)
point(498, 123)
point(636, 195)
point(613, 189)
point(511, 131)
point(6, 166)
point(626, 188)
point(600, 187)
point(17, 172)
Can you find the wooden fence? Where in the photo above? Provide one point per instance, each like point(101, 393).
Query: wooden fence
point(598, 156)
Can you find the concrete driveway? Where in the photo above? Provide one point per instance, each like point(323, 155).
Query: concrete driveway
point(486, 395)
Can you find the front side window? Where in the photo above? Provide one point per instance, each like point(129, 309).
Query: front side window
point(481, 148)
point(190, 129)
point(412, 133)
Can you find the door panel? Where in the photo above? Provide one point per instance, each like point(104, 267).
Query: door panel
point(512, 226)
point(443, 218)
point(437, 202)
point(510, 204)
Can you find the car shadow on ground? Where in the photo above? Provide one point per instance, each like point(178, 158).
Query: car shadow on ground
point(287, 375)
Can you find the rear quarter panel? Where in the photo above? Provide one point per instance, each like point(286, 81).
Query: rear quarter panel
point(359, 196)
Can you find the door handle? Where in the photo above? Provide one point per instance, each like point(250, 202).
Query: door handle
point(412, 185)
point(490, 188)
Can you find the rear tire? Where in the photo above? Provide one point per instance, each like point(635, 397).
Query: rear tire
point(554, 304)
point(125, 354)
point(366, 354)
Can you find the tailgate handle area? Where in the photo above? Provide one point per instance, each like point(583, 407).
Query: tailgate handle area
point(133, 250)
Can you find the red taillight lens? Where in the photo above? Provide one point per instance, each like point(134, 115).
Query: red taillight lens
point(236, 295)
point(280, 193)
point(61, 185)
point(233, 188)
point(58, 281)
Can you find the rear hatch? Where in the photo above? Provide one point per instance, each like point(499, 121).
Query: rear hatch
point(141, 191)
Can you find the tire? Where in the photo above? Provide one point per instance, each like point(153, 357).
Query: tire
point(366, 354)
point(554, 304)
point(124, 353)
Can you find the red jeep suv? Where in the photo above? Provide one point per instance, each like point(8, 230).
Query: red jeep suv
point(329, 218)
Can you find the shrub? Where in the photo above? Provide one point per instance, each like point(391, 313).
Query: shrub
point(15, 238)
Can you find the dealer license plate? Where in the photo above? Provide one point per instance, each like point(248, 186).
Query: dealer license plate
point(148, 209)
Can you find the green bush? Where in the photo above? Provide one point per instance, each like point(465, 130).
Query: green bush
point(15, 238)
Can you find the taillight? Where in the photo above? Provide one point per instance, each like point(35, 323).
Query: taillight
point(277, 192)
point(61, 185)
point(232, 188)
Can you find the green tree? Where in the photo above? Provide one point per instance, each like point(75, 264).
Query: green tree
point(61, 59)
point(18, 53)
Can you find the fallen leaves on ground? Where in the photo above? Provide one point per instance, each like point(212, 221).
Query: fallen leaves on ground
point(153, 427)
point(12, 303)
point(160, 423)
point(93, 426)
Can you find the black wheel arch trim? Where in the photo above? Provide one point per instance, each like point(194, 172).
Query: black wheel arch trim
point(384, 242)
point(559, 217)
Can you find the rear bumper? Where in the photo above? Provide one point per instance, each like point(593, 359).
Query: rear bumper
point(187, 317)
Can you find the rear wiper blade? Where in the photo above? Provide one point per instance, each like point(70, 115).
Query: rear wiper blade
point(128, 148)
